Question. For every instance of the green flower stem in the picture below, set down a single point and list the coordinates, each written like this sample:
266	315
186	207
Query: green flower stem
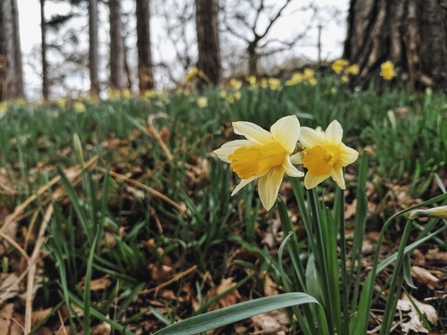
395	284
339	207
327	248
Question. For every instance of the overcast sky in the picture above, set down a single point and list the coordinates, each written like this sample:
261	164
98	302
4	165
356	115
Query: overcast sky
29	13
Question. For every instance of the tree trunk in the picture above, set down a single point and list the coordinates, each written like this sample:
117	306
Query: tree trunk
253	58
7	66
145	67
207	26
93	47
410	33
17	51
116	46
45	82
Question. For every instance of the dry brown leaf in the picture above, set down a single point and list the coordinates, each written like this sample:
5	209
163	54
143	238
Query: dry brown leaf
102	329
273	322
424	277
230	299
414	323
11	323
40	315
270	287
97	284
160	273
437	257
9	287
350	209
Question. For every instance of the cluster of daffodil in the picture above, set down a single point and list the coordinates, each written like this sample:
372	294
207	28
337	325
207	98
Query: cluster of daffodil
233	94
117	94
308	75
195	72
267	156
341	67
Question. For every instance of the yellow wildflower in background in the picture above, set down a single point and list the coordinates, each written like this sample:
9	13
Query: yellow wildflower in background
237	95
149	94
263	155
387	70
61	102
113	94
251	79
202	102
79	107
312	81
192	74
235	84
126	94
308	73
353	69
223	94
324	155
339	64
264	83
344	79
296	78
274	83
3	108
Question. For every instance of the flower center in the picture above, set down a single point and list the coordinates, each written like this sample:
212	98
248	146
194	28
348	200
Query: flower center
319	160
247	162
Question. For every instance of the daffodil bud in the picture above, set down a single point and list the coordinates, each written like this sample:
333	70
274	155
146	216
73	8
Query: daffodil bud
78	150
437	212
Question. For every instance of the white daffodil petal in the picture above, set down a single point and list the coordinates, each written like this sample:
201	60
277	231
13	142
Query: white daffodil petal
297	158
310	181
334	132
286	131
243	183
229	148
268	186
348	155
291	170
337	176
310	137
252	132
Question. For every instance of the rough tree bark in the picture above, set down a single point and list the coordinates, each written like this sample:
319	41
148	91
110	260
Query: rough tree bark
43	51
410	33
145	66
93	47
7	66
17	50
207	26
117	69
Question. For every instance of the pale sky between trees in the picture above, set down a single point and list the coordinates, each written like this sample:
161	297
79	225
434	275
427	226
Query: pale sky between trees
332	36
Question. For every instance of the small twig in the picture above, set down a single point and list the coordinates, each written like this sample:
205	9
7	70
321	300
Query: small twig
152	131
145	187
32	269
170	281
14	244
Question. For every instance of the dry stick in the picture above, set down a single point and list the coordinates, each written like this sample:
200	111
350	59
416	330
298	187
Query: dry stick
14	244
145	187
170	281
32	269
152	131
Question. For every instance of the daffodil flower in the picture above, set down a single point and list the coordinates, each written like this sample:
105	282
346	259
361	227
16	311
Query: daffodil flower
324	155
387	70
264	155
